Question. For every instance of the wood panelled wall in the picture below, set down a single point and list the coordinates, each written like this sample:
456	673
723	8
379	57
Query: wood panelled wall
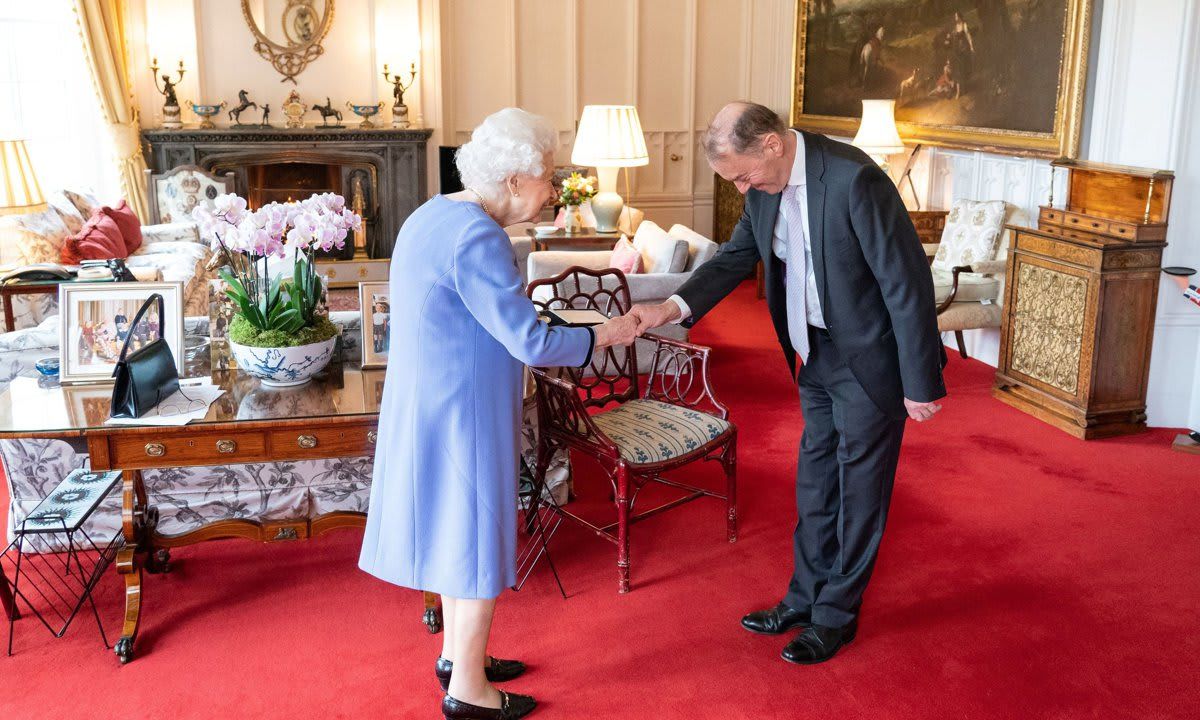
678	61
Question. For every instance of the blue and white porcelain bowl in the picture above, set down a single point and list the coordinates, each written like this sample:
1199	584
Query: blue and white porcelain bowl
285	366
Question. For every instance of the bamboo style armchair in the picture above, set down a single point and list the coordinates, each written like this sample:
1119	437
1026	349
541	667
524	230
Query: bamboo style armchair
636	437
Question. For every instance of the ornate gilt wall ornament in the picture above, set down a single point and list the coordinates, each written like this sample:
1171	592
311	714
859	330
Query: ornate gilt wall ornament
302	24
1047	333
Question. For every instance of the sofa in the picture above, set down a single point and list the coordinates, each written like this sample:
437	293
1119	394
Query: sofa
644	288
173	249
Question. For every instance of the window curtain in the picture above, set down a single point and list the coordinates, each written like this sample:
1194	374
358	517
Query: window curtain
102	29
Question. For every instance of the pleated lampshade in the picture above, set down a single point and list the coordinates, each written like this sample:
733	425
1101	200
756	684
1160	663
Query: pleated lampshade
610	136
19	189
877	134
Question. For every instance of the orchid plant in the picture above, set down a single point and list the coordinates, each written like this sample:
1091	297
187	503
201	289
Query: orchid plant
248	239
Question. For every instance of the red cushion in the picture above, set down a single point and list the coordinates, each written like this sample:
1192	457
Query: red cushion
100	239
130	226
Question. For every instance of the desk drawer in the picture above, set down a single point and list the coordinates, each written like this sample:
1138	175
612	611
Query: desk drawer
348	441
195	448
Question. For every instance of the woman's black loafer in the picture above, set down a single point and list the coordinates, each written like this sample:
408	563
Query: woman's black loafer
497	670
512	706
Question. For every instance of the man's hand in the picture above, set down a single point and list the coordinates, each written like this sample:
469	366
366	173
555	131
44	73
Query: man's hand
621	330
651	316
920	411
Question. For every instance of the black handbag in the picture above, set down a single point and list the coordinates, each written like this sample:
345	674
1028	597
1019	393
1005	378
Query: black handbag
148	375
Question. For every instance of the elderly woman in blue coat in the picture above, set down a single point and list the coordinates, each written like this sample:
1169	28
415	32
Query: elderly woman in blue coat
443	506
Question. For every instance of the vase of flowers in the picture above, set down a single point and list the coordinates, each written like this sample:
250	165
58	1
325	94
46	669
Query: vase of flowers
280	332
576	190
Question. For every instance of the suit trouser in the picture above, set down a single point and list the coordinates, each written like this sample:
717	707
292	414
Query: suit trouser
848	456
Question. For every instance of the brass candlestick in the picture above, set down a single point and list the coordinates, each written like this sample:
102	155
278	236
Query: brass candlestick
172	119
399	109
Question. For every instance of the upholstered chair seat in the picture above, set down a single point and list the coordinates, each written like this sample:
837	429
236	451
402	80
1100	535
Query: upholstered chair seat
649	431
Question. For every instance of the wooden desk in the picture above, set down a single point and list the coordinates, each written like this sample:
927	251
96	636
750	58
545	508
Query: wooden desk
341	426
586	238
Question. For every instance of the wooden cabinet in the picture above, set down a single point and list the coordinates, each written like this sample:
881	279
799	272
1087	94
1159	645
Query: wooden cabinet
1079	304
929	224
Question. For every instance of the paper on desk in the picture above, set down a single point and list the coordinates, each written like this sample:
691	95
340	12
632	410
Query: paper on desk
174	410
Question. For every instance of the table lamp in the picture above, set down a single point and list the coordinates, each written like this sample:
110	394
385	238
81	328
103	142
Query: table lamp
19	189
609	138
877	135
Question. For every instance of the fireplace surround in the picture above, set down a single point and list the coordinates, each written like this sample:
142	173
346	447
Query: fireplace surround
386	166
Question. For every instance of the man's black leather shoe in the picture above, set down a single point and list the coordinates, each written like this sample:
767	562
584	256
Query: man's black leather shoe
818	643
496	671
512	706
776	620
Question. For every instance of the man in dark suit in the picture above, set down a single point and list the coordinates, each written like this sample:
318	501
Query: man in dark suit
851	299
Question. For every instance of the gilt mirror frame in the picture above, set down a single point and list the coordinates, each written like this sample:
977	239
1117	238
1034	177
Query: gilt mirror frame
290	60
814	99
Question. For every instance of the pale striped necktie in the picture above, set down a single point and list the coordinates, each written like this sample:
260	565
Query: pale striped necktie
796	275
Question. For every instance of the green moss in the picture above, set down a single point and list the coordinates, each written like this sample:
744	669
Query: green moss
243	333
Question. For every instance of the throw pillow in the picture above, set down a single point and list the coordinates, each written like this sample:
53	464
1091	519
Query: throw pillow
700	248
972	234
128	223
625	257
85	202
32	237
100	239
661	253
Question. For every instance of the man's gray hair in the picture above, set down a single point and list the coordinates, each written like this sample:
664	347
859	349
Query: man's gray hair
744	135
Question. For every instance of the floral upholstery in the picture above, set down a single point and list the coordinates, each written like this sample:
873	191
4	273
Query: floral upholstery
972	233
188	498
174	249
175	194
649	431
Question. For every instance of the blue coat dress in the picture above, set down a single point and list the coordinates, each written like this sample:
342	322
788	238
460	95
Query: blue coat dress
443	506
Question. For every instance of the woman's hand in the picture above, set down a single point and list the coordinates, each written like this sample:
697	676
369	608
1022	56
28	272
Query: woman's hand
621	330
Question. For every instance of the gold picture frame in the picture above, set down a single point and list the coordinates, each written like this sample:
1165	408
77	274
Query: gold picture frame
821	42
375	323
96	319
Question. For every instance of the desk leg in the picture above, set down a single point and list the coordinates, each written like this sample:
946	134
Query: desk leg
6	598
136	524
433	612
10	322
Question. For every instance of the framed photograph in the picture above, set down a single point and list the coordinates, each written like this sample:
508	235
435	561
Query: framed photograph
376	323
998	75
88	405
373	389
220	315
97	319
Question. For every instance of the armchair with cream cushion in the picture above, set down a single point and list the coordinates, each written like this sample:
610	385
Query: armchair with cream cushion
968	267
670	256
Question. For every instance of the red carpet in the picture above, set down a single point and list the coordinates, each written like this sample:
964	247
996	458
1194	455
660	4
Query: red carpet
1024	574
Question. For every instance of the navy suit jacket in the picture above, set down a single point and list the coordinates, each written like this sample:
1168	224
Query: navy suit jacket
872	275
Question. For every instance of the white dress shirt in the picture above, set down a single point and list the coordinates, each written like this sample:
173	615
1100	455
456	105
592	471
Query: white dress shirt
797	183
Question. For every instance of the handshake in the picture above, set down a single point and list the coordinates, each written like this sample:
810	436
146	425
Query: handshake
624	329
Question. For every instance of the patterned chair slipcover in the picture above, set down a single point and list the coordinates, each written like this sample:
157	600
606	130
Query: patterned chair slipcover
190	497
174	194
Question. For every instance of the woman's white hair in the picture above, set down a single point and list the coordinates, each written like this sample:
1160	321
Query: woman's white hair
508	142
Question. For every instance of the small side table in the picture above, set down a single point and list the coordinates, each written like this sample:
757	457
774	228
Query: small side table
47	555
589	237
